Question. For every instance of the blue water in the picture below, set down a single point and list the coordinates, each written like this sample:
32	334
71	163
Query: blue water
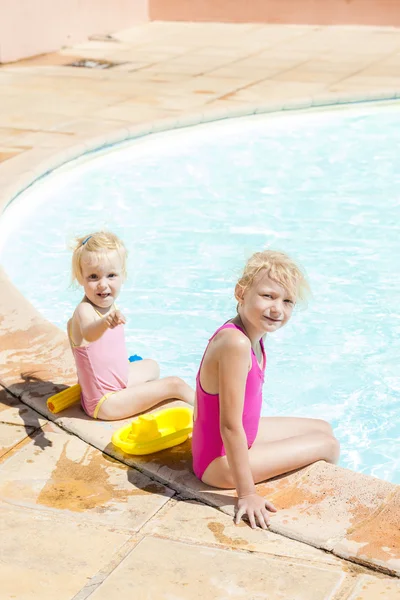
192	205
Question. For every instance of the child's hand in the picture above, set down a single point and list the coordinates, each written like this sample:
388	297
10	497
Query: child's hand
114	318
255	507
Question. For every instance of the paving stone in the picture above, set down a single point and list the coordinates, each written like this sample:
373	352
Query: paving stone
15	412
45	558
372	588
193	572
194	522
376	540
134	112
326	502
11	435
62	474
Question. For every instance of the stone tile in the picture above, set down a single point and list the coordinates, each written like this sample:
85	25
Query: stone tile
372	588
203	524
53	59
213	86
11	435
326	502
135	112
278	90
15	412
6	154
43	557
41	139
30	120
333	65
376	540
170	67
87	127
245	74
301	75
373	82
382	70
150	78
194	572
62	474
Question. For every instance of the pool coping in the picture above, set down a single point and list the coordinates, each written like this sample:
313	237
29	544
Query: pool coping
36	360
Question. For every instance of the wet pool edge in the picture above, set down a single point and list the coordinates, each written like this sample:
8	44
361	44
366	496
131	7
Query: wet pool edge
351	515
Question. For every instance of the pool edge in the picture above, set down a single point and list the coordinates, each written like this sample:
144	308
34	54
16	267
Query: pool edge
36	351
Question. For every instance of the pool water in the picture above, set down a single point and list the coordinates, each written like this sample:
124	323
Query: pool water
192	205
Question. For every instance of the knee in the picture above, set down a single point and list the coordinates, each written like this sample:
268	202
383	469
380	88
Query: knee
332	449
154	368
324	427
175	384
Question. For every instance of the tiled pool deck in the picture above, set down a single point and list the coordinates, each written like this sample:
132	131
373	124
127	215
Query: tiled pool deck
77	523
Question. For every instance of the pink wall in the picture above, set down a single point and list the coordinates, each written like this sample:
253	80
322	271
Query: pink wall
30	27
311	12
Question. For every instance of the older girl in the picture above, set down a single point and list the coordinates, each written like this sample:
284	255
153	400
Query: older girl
233	447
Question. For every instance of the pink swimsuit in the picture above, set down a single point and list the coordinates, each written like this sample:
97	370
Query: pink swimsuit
102	368
207	443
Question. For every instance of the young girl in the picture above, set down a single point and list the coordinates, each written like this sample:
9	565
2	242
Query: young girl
232	446
112	388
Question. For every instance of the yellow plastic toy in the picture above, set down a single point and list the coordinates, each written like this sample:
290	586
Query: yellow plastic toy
155	431
64	399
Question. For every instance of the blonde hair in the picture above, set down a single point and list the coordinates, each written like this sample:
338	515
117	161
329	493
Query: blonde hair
281	269
99	242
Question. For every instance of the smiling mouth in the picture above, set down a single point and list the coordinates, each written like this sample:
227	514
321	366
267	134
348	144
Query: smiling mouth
273	320
103	295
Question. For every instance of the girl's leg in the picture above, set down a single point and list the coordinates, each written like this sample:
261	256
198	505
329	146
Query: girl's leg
141	371
283	444
142	396
272	429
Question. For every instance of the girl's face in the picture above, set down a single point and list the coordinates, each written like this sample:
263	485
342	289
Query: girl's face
265	305
102	276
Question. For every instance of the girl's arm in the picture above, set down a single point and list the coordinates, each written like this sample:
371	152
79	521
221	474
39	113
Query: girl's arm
91	327
234	364
233	369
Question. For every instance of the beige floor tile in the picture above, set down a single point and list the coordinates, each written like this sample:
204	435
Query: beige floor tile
376	540
44	139
166	569
159	78
229	52
197	523
87	127
246	74
381	70
277	90
204	62
281	57
135	112
31	119
45	558
305	76
14	412
170	67
307	512
373	82
372	588
11	435
63	474
332	65
209	84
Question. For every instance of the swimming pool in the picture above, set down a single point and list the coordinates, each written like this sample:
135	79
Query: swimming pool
193	204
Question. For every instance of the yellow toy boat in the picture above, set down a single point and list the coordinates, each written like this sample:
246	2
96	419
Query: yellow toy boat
155	431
